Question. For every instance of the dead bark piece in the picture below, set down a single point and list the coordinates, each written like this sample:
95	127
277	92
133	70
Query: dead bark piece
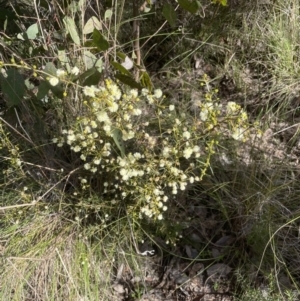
219	269
225	241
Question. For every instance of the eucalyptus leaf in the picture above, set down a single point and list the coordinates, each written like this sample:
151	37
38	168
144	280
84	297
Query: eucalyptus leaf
99	65
32	31
43	90
120	68
30	34
170	14
91	24
82	77
93	80
50	69
89	59
90	77
108	14
99	41
22	36
128	80
13	87
71	29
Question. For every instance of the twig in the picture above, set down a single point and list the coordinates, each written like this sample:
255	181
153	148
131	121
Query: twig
136	34
16	130
285	129
20	124
39	20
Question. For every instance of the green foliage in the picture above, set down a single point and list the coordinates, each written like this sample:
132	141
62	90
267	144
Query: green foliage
99	41
92	24
170	14
13	86
31	33
190	6
71	28
128	80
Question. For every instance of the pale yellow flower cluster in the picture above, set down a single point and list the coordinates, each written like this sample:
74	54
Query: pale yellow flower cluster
145	146
60	74
210	110
238	123
231	120
143	162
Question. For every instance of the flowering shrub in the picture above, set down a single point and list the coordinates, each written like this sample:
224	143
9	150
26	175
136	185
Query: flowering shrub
144	147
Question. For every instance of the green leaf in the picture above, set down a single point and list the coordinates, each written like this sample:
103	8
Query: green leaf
120	68
190	6
170	14
128	80
117	136
108	14
30	34
146	81
89	59
32	31
13	87
71	29
90	77
58	90
99	41
50	69
82	77
22	36
93	80
147	9
121	55
99	65
91	24
43	90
